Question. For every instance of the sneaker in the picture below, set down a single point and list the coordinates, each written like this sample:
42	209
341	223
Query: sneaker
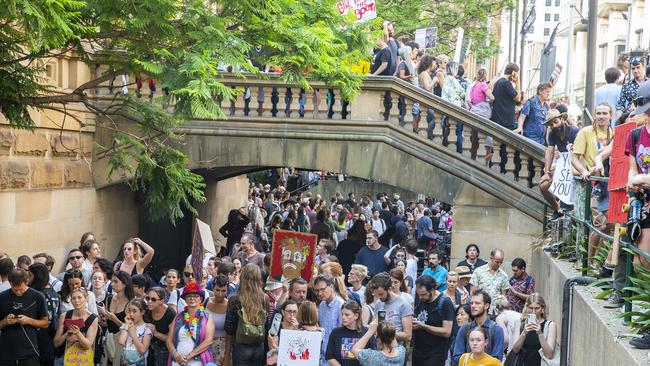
641	343
605	272
615	301
557	214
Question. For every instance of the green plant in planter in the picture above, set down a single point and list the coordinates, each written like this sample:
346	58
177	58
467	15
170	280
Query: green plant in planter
640	290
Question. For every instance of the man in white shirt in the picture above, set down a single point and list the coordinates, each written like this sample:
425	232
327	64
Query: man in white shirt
377	223
6	265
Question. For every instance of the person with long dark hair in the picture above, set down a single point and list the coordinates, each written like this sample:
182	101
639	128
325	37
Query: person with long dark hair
347	249
73	279
389	353
233	229
158	317
114	312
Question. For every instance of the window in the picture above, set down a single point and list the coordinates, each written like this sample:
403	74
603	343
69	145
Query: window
602	57
547	31
557	2
547	17
620	49
556	17
548	2
639	37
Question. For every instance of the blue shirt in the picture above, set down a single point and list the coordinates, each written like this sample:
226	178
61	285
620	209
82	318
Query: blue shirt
422	227
329	316
495	344
534	125
373	259
608	93
440	275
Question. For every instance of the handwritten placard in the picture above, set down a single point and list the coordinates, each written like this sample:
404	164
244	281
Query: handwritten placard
299	348
563	185
364	10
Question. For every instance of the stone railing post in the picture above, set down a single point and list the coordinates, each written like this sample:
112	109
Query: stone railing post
366	106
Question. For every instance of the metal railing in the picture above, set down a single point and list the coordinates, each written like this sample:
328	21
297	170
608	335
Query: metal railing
581	217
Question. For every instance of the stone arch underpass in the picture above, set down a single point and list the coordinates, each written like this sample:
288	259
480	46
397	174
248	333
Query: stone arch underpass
492	207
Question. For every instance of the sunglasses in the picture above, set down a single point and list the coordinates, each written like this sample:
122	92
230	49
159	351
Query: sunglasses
151	299
188	274
76	257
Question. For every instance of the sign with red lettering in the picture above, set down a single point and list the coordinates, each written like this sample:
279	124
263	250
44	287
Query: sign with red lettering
364	10
292	254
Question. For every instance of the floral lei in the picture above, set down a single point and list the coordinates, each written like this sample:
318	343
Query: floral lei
190	325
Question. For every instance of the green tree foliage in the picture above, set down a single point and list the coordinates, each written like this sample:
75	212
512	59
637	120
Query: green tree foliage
448	15
180	44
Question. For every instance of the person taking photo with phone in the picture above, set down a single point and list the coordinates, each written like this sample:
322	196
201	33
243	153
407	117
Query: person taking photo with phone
537	335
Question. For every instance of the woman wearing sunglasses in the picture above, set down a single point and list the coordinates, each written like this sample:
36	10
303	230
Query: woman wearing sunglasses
132	262
158	317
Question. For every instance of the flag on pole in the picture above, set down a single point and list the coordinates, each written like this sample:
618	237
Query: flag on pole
528	23
551	42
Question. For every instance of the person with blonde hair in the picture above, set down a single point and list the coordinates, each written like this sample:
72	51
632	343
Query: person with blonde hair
356	276
81	338
249	305
508	319
538	334
335	271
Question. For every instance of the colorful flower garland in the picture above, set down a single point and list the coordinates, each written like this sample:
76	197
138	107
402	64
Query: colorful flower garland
191	325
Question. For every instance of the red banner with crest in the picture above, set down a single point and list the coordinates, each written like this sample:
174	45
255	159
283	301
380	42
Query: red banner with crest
292	254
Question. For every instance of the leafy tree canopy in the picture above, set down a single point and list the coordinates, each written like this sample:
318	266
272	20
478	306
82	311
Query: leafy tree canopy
180	44
448	15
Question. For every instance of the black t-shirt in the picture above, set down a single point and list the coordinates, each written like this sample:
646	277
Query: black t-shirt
394	49
479	262
554	138
433	313
162	325
341	341
503	107
346	252
381	56
402	66
21	341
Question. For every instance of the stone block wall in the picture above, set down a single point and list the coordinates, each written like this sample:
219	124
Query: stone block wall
44	158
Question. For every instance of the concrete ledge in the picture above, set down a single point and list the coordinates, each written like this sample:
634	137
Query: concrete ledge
594	336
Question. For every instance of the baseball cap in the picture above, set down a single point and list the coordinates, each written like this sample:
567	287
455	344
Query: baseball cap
642	99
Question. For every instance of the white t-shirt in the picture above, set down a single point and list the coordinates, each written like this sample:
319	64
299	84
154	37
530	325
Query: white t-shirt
4	286
379	226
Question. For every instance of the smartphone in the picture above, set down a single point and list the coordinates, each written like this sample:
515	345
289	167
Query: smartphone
532	319
381	315
275	325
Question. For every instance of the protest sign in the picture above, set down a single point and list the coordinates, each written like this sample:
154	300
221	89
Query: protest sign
426	37
299	348
563	185
364	10
292	254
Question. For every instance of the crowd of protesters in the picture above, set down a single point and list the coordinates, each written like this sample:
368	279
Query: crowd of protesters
375	298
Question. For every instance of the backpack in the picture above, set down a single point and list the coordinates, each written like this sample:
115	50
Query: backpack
247	332
53	304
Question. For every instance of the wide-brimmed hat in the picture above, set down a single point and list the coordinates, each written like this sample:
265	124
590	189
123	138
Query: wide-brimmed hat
642	99
193	288
272	285
553	114
463	272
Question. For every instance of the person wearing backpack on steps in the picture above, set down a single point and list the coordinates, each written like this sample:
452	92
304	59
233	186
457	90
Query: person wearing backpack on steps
245	320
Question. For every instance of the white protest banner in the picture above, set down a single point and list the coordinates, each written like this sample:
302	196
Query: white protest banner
299	348
426	37
563	184
206	237
364	10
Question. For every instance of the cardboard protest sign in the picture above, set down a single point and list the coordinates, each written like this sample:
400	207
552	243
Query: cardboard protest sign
299	348
292	255
364	10
563	185
75	355
619	164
